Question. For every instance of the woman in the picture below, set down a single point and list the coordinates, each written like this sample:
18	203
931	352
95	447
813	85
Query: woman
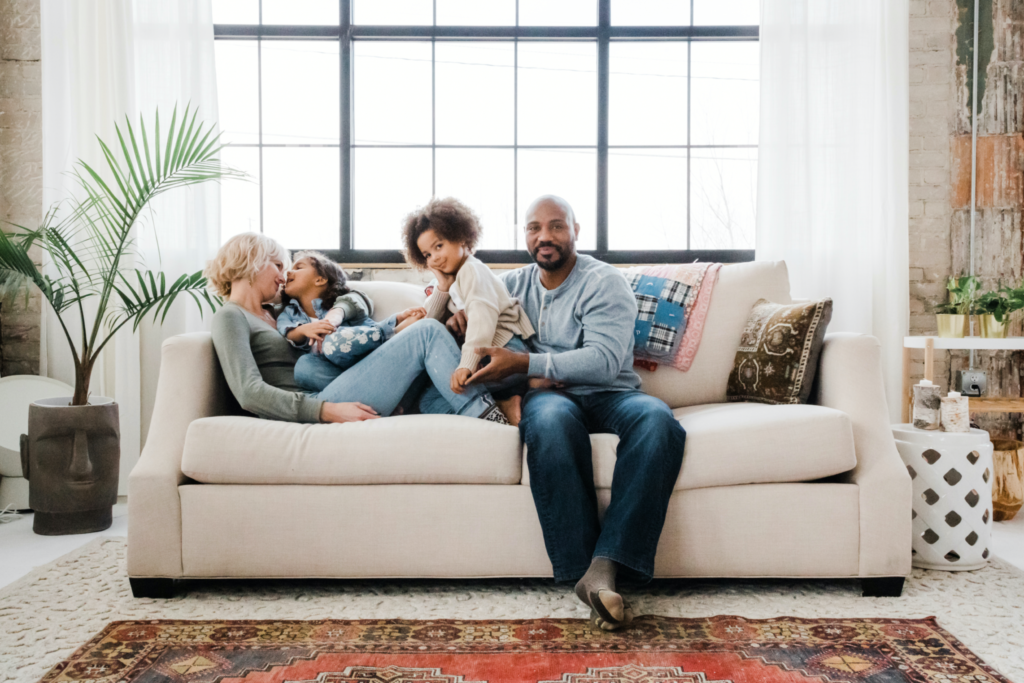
259	363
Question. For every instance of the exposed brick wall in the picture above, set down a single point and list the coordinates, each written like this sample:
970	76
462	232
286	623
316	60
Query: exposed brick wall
941	37
21	157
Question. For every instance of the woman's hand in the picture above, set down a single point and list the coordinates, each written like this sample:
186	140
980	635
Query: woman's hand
347	412
316	330
444	280
459	379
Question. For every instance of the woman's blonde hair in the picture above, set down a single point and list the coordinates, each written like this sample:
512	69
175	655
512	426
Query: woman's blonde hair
241	257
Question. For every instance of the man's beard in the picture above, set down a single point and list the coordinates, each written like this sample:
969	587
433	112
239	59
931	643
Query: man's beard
549	265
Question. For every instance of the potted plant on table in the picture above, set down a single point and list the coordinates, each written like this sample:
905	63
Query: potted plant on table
72	451
995	308
953	317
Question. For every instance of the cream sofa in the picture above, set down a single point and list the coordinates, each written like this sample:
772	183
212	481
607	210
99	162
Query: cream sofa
765	491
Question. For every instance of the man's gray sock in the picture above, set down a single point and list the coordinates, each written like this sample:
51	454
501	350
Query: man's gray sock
597	589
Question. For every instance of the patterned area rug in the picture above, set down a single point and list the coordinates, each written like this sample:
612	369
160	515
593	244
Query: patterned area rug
654	650
47	615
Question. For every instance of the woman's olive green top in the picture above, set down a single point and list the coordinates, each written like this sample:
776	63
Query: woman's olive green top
259	365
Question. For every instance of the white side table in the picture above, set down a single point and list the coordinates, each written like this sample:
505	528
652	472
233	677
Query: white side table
952	508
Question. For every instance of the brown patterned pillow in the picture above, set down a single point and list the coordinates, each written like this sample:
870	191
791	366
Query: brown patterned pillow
779	350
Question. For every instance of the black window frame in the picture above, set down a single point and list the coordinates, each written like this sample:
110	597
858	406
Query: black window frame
604	33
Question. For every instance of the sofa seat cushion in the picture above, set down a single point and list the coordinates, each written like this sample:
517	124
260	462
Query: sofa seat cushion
747	443
410	449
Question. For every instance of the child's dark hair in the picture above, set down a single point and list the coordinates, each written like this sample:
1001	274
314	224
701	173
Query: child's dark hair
329	270
449	218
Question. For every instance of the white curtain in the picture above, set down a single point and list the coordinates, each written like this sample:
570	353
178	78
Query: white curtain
833	161
103	60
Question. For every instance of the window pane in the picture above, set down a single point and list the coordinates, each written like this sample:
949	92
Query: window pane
475	93
300	92
393	12
557	94
732	13
569	173
240	199
236	11
300	196
723	192
651	12
557	13
647	99
316	12
237	91
647	199
392	97
725	93
483	180
476	12
389	183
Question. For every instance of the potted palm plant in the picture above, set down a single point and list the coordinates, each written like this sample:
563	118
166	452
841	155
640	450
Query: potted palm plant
953	317
72	451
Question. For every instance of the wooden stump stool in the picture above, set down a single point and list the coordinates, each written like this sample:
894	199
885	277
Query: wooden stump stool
1008	487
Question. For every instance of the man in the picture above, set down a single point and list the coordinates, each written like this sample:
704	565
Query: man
583	311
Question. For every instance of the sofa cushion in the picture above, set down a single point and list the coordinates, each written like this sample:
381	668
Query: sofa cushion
410	449
390	297
739	286
747	443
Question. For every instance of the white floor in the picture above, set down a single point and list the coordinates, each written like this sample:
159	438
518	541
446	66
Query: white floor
21	550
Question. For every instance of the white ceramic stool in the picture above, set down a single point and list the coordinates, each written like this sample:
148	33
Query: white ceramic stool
952	508
16	393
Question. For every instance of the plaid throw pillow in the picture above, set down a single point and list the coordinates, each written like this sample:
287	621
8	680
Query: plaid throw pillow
779	351
660	317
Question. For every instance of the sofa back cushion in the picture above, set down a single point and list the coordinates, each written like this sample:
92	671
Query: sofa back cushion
390	297
739	286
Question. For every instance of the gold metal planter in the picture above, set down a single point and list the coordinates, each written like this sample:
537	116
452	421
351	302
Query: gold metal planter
953	326
992	329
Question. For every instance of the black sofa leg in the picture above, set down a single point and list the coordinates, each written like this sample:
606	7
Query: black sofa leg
152	588
883	587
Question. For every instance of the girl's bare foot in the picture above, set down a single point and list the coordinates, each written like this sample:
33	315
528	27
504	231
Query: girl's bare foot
513	409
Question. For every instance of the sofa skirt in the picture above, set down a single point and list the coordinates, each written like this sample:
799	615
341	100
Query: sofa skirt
478	531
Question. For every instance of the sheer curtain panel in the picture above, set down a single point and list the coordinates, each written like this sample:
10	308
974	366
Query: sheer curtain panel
833	160
103	60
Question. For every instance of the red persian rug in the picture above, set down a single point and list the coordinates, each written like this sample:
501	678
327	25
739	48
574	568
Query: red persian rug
654	650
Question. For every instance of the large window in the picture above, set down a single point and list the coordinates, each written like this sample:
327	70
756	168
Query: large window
348	114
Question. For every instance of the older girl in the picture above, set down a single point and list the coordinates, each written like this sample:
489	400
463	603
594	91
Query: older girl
259	364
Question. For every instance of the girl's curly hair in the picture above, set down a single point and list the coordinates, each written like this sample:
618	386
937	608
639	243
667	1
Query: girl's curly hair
329	270
449	218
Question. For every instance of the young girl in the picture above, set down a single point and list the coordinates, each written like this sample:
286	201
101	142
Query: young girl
322	315
441	237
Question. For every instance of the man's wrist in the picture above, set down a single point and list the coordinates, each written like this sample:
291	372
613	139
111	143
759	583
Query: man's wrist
522	363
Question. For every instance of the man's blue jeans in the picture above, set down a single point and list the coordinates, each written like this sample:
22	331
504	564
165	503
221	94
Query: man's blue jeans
556	428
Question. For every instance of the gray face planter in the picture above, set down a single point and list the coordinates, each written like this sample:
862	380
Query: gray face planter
71	457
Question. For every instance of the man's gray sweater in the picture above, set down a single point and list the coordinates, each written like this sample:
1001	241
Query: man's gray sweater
584	326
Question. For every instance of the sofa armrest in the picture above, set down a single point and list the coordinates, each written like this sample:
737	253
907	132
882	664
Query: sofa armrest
191	386
850	380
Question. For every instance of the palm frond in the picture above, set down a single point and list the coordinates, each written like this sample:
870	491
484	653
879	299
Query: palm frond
150	293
